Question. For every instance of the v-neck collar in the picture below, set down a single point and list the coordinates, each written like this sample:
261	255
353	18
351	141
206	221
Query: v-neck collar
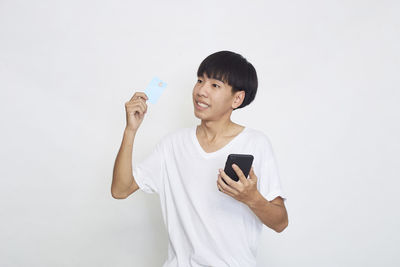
219	151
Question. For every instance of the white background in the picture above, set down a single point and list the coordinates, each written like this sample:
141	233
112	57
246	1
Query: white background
328	98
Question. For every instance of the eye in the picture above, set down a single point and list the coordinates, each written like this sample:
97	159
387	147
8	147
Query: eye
199	80
216	85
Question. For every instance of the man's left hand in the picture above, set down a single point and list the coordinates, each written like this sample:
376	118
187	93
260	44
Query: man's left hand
243	190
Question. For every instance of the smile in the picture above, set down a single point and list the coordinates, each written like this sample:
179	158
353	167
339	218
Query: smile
201	106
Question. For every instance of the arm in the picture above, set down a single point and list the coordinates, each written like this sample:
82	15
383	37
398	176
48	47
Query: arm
123	182
272	213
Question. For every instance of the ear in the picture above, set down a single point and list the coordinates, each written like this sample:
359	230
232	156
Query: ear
238	98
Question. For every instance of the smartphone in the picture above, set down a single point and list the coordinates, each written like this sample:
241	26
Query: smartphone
244	161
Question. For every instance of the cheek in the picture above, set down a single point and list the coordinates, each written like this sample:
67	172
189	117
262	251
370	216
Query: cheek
224	102
194	91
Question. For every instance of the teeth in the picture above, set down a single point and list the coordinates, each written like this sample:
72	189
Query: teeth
202	105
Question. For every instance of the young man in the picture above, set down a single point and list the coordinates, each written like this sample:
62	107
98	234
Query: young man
209	222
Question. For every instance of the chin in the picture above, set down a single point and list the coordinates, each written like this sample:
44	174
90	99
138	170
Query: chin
197	115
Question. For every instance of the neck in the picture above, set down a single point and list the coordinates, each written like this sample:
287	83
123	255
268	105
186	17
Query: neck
214	130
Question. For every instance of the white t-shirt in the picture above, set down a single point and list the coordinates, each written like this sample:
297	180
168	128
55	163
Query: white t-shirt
207	227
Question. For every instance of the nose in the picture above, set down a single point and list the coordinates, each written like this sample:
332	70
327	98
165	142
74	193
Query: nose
202	89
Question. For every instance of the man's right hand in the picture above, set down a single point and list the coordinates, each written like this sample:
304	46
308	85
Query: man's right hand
135	109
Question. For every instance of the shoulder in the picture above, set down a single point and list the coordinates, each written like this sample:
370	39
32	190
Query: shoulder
259	137
175	134
260	141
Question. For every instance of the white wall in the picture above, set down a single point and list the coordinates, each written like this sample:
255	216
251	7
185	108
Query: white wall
328	99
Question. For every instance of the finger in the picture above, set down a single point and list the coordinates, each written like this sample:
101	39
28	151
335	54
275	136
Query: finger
220	188
143	105
137	98
139	101
141	108
226	187
133	108
226	192
143	95
139	95
142	102
252	174
239	173
227	179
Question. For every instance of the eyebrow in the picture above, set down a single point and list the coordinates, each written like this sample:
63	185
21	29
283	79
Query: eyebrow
218	80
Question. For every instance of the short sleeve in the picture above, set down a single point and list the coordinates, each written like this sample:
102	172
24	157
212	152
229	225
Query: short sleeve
269	178
148	174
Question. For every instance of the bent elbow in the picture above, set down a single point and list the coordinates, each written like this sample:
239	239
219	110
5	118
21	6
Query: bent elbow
117	196
282	227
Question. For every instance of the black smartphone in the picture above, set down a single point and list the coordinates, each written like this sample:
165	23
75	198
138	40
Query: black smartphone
244	161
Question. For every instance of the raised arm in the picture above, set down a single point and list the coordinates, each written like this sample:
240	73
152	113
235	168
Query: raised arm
123	182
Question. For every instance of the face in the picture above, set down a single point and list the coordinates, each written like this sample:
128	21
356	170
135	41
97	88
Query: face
217	96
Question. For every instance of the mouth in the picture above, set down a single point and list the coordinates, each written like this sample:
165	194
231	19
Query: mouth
201	105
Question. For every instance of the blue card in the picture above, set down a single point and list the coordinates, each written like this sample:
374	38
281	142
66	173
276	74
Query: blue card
154	90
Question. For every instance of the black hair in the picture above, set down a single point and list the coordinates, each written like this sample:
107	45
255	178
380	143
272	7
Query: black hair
233	69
